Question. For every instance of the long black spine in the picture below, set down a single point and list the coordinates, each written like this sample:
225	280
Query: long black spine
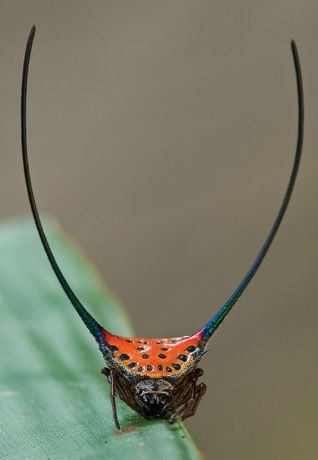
215	322
89	321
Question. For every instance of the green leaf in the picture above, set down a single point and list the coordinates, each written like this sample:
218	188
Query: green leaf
54	403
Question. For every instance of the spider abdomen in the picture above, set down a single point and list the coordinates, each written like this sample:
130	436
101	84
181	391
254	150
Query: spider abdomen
154	358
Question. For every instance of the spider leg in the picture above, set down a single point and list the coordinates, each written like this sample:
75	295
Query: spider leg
189	396
191	406
121	388
126	394
111	379
106	372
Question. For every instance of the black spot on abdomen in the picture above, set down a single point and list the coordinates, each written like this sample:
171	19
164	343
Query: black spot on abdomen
183	358
124	357
191	348
113	348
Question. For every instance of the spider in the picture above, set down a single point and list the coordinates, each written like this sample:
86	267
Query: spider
156	376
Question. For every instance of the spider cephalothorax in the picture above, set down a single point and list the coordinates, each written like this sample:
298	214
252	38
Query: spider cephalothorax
154	396
156	376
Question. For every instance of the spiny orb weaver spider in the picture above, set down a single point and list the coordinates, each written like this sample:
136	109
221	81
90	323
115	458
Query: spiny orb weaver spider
156	376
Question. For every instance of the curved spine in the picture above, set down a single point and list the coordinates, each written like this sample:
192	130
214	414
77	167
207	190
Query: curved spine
209	328
92	325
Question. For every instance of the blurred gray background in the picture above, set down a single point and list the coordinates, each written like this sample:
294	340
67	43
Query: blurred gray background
161	136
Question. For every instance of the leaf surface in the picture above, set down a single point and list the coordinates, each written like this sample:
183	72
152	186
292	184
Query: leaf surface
54	403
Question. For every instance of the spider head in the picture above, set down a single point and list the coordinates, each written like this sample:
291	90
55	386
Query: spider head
153	395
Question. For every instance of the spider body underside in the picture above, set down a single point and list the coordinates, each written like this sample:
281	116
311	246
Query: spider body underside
154	398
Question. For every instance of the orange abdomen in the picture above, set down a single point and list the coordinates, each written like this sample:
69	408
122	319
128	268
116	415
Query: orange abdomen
155	358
